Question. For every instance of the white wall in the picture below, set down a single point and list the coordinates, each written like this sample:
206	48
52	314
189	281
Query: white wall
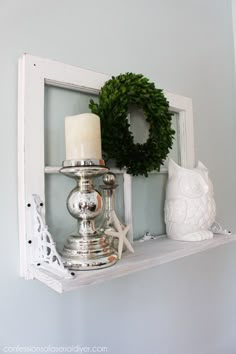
186	47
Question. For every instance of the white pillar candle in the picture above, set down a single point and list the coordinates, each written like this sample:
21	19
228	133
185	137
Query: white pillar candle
83	137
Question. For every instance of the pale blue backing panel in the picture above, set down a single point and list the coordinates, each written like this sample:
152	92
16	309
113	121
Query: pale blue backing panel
148	202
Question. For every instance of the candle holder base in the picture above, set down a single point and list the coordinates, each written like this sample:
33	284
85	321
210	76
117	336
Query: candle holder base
81	253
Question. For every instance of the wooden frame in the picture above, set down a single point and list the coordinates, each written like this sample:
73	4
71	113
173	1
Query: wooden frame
34	73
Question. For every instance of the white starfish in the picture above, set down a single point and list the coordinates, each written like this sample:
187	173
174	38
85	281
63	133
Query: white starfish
121	233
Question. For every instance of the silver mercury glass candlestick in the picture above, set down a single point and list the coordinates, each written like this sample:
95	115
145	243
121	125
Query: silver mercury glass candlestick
88	248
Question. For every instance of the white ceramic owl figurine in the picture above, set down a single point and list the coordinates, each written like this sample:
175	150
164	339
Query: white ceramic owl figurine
190	207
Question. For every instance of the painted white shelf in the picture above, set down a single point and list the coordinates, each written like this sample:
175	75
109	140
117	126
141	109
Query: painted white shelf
147	255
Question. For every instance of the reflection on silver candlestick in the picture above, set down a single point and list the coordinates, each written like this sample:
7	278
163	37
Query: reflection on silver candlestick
88	248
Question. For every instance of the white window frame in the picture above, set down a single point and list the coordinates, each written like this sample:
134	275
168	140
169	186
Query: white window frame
34	73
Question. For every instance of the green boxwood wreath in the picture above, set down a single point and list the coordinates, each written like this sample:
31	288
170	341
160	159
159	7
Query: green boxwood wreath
115	98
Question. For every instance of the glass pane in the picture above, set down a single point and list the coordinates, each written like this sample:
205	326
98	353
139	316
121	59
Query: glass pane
148	194
60	103
148	203
139	127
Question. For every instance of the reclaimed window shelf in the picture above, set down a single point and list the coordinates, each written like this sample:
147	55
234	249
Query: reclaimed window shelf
38	171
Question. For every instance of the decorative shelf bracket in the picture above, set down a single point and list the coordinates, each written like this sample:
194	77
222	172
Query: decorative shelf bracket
43	253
